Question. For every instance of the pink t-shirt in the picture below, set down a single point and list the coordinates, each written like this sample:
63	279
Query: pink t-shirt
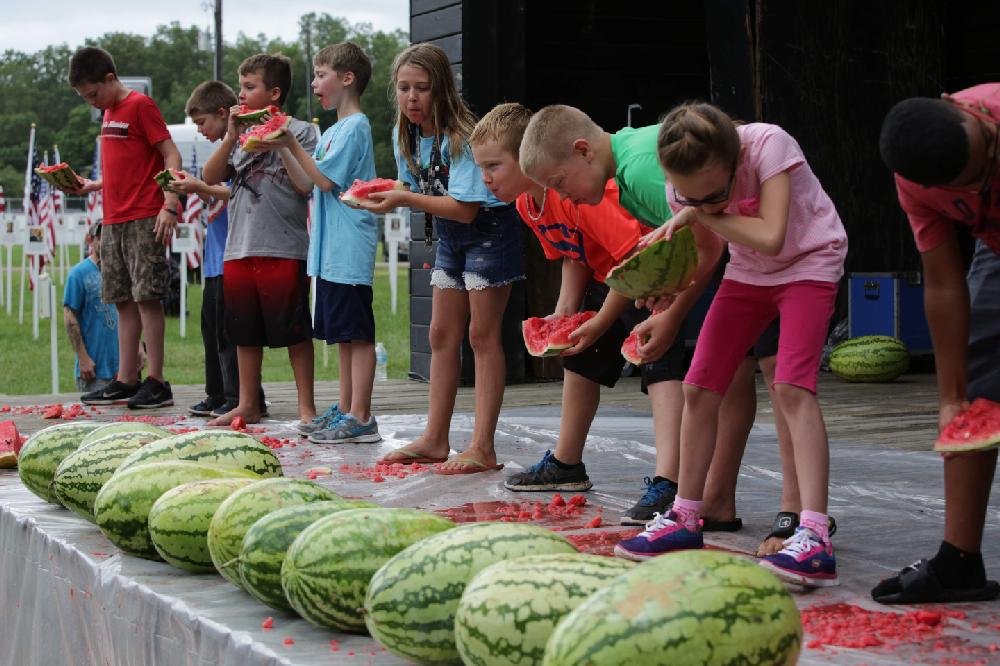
934	211
815	240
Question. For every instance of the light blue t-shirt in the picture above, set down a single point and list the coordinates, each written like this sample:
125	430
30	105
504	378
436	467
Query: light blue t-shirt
465	179
98	320
215	243
343	239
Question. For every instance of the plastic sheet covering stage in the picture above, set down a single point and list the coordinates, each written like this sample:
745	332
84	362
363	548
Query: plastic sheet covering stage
68	597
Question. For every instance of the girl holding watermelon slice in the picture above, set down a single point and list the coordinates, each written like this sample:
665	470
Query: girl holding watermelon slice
479	253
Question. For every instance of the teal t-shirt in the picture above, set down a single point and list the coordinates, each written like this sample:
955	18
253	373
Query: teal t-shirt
98	321
641	183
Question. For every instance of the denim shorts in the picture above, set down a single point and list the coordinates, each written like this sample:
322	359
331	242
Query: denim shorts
487	252
984	324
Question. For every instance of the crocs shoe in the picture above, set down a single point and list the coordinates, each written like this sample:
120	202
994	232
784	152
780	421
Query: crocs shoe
657	499
662	535
348	430
547	475
804	560
321	422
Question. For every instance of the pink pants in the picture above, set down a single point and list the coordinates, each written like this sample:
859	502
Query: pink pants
739	314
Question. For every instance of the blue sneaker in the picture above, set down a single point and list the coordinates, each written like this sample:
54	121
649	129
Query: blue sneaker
547	475
805	560
321	422
663	534
347	430
657	499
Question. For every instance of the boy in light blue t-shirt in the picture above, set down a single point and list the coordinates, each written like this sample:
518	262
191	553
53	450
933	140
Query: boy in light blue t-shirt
342	242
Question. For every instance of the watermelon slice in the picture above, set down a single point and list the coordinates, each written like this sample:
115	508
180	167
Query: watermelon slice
275	126
550	336
248	115
10	445
975	429
360	189
663	268
166	177
59	175
630	348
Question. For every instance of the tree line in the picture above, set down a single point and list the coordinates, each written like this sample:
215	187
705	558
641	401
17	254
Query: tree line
36	89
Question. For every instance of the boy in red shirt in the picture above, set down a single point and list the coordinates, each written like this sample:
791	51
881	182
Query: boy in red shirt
139	220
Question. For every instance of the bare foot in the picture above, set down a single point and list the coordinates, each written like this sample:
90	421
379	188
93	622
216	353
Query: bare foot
770	546
470	461
420	450
227	418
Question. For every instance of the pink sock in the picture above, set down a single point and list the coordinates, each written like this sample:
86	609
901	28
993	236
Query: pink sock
817	522
688	513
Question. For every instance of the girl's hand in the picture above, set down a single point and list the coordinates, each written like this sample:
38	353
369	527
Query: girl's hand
585	335
686	217
656	334
656	304
382	202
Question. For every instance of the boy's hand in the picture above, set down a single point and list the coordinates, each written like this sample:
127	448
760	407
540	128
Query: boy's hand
946	412
164	227
656	303
284	140
382	202
233	127
185	183
585	335
88	369
86	186
686	217
658	332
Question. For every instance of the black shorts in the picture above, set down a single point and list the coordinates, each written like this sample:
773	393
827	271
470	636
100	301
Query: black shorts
984	324
767	343
343	313
266	301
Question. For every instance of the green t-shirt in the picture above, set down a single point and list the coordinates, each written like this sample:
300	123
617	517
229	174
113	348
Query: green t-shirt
641	184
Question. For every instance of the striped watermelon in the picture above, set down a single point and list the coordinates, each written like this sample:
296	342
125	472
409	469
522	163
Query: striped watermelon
178	522
42	453
660	269
223	448
245	507
509	610
411	602
124	426
327	568
83	472
870	358
688	607
267	541
122	507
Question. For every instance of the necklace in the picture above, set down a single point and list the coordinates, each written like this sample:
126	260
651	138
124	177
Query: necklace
541	210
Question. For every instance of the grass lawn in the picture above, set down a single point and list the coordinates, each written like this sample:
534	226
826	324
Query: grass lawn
24	362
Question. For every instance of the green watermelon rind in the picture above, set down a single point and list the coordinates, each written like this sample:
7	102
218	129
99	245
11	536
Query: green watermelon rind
225	448
663	268
685	608
44	451
411	601
981	409
509	610
870	358
122	426
328	567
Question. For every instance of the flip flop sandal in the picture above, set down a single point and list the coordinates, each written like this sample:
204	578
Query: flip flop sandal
404	457
734	525
918	584
466	466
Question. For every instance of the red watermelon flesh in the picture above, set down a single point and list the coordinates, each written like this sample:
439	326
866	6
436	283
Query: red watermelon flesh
630	348
61	175
550	336
975	429
10	445
248	115
360	189
272	129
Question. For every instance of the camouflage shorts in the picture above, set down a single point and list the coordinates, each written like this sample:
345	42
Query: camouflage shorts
133	263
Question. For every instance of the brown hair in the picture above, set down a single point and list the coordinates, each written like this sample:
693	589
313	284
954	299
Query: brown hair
695	134
551	133
275	70
449	112
347	57
208	97
505	124
90	65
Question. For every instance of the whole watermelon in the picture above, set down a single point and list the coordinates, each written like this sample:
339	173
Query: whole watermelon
509	609
662	268
870	358
690	607
223	448
268	539
42	453
124	427
246	506
411	602
328	567
178	521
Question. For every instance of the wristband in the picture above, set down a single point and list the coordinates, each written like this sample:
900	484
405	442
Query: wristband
171	211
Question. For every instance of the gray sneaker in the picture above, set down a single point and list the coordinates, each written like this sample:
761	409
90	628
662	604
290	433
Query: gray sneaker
348	429
321	422
547	475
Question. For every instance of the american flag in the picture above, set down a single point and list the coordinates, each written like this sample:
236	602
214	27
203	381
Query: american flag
95	200
32	203
47	213
3	201
194	213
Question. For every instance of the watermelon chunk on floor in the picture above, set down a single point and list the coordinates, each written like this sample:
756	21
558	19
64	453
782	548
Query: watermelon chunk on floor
10	445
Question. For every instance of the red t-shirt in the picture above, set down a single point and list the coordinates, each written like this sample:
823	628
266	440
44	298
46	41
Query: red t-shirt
129	159
599	236
934	211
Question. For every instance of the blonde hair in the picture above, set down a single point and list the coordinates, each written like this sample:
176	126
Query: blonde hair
551	133
695	134
347	57
449	113
505	124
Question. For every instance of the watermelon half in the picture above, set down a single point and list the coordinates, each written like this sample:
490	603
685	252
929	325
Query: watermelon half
662	268
549	336
974	429
60	175
274	127
630	348
360	189
10	445
248	115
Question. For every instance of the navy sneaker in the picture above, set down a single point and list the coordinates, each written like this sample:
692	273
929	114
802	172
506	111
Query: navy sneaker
805	560
662	535
321	422
205	407
151	394
547	475
657	499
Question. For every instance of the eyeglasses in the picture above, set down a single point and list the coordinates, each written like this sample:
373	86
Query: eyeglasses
717	198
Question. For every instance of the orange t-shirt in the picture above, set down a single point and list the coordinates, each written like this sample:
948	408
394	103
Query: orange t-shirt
599	236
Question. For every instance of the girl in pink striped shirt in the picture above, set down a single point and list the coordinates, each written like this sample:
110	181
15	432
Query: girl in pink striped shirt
752	186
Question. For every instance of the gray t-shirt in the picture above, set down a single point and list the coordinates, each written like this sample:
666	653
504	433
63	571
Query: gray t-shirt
267	217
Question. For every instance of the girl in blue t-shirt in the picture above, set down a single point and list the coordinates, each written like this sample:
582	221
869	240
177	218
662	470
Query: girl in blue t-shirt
479	253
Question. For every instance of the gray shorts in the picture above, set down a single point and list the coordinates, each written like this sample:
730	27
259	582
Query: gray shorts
984	324
133	263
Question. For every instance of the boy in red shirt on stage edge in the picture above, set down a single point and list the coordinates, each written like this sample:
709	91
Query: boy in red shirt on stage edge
139	220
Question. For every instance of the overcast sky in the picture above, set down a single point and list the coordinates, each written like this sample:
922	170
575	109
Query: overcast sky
31	26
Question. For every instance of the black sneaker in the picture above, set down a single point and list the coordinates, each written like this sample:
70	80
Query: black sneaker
547	475
153	393
115	393
230	405
658	498
205	407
